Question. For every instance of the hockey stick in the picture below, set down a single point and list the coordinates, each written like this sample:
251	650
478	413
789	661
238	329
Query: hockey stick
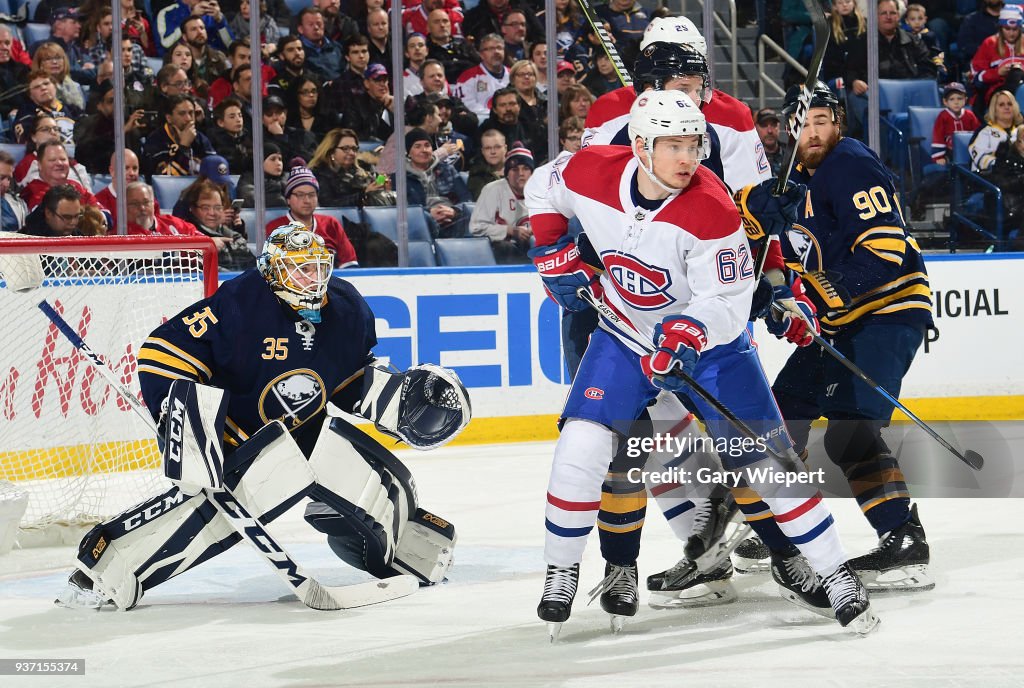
969	457
628	331
822	34
606	42
311	592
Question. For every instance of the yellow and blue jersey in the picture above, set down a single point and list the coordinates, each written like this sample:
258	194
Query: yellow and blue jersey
851	224
273	364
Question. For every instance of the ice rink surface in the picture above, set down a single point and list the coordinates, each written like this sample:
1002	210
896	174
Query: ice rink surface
230	622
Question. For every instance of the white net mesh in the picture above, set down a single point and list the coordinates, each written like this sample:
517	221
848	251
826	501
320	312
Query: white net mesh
65	436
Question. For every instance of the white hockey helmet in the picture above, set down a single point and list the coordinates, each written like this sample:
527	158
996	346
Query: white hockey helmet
665	113
678	30
297	265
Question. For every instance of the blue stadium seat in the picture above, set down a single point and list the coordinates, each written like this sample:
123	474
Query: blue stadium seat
896	95
921	121
961	154
421	254
295	6
467	251
248	216
384	220
5	7
167	189
100	182
32	6
977	203
34	33
350	214
155	63
369	146
17	150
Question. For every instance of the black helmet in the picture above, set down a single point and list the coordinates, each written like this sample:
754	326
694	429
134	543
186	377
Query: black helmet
659	62
822	96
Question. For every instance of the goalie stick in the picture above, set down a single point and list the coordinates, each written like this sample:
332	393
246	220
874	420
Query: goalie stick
822	34
311	592
969	457
606	42
627	330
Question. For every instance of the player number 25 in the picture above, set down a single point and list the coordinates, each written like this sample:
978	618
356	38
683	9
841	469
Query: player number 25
276	348
871	202
199	321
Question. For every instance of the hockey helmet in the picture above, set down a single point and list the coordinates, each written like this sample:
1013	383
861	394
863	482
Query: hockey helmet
666	113
297	265
821	96
678	30
659	62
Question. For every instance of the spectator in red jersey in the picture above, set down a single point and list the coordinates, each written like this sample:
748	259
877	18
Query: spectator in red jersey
143	218
301	192
54	168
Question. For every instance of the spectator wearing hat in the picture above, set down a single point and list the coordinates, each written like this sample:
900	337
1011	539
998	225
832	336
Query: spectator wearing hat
178	146
435	185
768	126
975	28
369	114
451	108
489	164
999	62
478	84
500	213
273	180
301	192
65	29
46	8
213	169
294	142
418	113
565	75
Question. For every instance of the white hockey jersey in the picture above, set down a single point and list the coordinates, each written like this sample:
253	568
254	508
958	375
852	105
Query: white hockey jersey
496	210
689	255
743	158
476	86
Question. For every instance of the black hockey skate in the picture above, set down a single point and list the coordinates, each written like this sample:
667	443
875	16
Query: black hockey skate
684	586
849	599
620	594
799	584
752	556
560	583
900	562
709	522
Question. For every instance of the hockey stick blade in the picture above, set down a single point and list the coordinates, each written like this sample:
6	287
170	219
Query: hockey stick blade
606	42
310	591
629	332
969	457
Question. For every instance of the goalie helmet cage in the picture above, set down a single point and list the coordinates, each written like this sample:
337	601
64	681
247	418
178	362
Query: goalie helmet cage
66	439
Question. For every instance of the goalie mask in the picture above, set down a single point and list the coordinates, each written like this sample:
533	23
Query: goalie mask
659	62
297	265
666	113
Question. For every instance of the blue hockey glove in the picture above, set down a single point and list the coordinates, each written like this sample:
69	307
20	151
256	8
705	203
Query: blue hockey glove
761	304
765	214
680	340
564	273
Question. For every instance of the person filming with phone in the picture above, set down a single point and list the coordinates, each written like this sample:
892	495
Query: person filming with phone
346	181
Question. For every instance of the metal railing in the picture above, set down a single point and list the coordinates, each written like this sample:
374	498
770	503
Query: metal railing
729	29
763	80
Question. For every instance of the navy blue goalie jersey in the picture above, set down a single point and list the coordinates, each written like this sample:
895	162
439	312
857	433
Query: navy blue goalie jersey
851	224
273	364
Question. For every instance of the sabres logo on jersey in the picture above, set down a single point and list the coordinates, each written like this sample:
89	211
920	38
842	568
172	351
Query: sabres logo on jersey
642	286
293	397
805	246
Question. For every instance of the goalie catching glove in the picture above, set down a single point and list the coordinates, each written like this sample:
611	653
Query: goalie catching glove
763	213
425	407
564	272
799	320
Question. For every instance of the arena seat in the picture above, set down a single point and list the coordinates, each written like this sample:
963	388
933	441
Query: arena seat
35	33
167	188
464	252
421	254
384	220
977	203
921	122
17	150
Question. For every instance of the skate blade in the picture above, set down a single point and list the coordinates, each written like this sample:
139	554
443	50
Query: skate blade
554	629
736	532
617	622
864	624
751	566
903	579
792	597
703	595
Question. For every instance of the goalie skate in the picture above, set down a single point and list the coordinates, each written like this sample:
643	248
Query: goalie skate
560	583
79	594
684	586
620	594
752	556
900	562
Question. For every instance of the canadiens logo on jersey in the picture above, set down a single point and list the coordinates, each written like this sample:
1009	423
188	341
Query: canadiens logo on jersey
293	397
642	286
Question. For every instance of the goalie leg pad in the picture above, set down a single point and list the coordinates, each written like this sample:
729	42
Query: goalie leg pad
426	547
193	425
425	407
268	473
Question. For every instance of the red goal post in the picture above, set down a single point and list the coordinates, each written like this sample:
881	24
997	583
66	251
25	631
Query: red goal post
67	441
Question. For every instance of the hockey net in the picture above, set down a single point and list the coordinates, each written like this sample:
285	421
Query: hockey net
66	439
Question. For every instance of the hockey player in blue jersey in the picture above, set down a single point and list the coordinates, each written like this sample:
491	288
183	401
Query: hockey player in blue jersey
255	366
865	274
